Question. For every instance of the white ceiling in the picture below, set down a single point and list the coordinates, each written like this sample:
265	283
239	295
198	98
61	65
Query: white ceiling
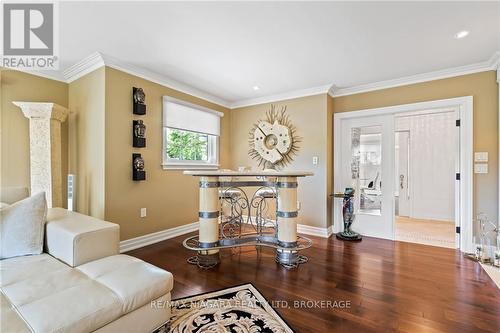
226	48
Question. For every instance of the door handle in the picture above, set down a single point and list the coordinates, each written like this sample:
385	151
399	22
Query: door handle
401	181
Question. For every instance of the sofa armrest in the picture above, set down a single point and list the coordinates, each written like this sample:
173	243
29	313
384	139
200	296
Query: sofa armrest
77	239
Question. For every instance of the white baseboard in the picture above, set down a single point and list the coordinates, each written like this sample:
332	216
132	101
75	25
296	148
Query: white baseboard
155	237
314	231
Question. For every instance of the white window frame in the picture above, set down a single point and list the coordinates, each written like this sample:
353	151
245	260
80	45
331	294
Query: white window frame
213	144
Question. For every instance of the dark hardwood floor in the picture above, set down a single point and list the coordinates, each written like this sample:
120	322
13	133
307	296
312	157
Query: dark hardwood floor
392	286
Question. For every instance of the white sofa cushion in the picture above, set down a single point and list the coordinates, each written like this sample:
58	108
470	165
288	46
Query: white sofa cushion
22	227
53	297
77	239
41	287
134	281
15	270
142	320
10	321
44	285
84	308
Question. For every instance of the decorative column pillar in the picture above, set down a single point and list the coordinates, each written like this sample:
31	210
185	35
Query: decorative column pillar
45	148
209	221
287	220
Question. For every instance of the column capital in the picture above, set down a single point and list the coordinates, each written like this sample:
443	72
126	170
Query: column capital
43	110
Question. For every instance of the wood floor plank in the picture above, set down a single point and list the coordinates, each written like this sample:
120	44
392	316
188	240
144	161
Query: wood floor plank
392	286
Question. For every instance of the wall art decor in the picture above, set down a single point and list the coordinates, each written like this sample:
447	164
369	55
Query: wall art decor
274	140
138	134
139	99
138	172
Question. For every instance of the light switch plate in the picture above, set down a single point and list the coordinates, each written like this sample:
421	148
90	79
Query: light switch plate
315	160
481	157
143	212
480	168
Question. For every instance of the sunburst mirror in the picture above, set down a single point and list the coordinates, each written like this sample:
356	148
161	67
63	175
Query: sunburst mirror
274	140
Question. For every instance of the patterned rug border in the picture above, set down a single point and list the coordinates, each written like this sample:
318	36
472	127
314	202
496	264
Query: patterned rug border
234	288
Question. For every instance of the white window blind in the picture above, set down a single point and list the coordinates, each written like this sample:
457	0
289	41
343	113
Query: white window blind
182	115
190	135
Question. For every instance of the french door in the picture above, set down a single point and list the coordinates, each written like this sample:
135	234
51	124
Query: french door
367	165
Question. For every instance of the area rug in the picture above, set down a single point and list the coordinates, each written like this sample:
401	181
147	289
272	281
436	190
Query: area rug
238	309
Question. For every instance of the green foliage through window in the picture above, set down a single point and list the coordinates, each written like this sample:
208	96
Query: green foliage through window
185	145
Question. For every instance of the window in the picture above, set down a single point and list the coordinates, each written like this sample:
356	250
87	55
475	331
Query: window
190	135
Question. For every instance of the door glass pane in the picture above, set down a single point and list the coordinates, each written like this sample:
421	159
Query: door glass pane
366	172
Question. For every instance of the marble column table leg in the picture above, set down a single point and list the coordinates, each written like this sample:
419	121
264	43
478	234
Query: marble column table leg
209	221
287	220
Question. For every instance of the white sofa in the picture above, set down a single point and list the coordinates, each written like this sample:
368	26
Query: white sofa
81	283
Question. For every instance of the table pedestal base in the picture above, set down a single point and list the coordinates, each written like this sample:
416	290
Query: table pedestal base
290	259
205	261
287	254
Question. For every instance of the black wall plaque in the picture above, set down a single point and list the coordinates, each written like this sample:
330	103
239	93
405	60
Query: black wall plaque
138	172
138	134
139	100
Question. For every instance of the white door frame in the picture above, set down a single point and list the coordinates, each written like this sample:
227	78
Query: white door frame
465	108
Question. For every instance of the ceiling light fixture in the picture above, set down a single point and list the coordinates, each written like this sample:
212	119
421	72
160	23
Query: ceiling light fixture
461	34
256	88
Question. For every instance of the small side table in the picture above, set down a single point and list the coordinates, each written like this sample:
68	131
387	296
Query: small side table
348	215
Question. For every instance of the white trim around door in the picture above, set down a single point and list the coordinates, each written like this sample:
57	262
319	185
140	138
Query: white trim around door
464	105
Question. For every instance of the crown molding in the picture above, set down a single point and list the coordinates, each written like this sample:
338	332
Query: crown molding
162	80
491	64
332	90
281	97
97	60
84	67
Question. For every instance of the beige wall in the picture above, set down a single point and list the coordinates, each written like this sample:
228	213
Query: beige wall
170	197
483	87
87	155
15	156
100	143
309	114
